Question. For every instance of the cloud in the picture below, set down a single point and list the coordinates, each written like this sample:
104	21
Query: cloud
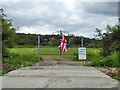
77	18
106	8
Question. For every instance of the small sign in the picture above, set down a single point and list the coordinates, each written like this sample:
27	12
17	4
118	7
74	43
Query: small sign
81	53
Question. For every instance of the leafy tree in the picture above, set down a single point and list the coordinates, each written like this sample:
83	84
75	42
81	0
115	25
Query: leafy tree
8	33
110	39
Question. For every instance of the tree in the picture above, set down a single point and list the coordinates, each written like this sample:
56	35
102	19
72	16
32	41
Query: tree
8	33
110	39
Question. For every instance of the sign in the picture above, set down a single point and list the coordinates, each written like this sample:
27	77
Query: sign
81	53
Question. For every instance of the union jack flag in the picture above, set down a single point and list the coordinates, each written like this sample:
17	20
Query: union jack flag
63	43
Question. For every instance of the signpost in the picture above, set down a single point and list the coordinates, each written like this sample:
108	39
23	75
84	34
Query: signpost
81	53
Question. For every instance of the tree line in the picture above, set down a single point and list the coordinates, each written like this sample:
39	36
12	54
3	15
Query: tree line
53	40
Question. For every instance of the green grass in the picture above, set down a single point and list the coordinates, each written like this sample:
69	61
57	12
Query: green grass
109	61
16	61
59	60
53	51
92	55
26	51
0	61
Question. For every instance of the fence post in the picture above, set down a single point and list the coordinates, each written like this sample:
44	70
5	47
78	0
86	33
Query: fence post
81	41
38	47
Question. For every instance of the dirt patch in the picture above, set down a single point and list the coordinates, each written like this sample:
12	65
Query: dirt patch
57	60
5	67
112	72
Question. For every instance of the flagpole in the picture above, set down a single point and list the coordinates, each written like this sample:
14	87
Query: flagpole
60	49
38	47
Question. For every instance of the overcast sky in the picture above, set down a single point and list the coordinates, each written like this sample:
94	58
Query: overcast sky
79	18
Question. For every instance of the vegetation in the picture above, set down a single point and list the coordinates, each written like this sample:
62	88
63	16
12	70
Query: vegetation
8	34
110	40
30	40
110	51
109	61
16	61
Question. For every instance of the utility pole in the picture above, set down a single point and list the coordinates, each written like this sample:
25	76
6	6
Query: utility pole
38	47
81	41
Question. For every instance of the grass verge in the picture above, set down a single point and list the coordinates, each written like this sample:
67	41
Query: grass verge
15	61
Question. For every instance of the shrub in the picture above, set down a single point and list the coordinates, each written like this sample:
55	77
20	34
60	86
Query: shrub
15	61
27	64
89	55
109	61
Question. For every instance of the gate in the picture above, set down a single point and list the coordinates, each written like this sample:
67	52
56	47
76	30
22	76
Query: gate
49	44
46	50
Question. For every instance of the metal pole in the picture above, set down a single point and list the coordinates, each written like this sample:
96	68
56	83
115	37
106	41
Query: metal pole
60	49
119	14
38	47
81	41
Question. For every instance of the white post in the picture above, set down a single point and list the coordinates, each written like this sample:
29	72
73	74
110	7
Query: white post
38	47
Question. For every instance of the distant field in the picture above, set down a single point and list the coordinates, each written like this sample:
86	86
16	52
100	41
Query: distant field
43	51
49	51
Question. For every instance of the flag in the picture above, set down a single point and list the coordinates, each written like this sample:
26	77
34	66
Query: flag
63	43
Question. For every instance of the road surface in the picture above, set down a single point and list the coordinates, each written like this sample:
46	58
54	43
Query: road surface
58	77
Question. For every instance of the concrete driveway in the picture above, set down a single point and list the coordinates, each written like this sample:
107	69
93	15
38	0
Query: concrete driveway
58	77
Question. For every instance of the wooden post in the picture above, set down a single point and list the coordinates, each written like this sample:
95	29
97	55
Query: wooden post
38	47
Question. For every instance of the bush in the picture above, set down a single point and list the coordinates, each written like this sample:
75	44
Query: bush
27	64
89	55
109	61
15	61
5	52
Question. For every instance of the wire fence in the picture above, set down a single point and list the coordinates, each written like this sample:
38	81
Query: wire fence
55	51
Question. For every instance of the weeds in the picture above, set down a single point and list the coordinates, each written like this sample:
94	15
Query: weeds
15	61
59	60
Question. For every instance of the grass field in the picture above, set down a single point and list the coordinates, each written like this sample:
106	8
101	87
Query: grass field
51	51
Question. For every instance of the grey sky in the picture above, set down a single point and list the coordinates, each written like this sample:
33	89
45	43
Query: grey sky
79	18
